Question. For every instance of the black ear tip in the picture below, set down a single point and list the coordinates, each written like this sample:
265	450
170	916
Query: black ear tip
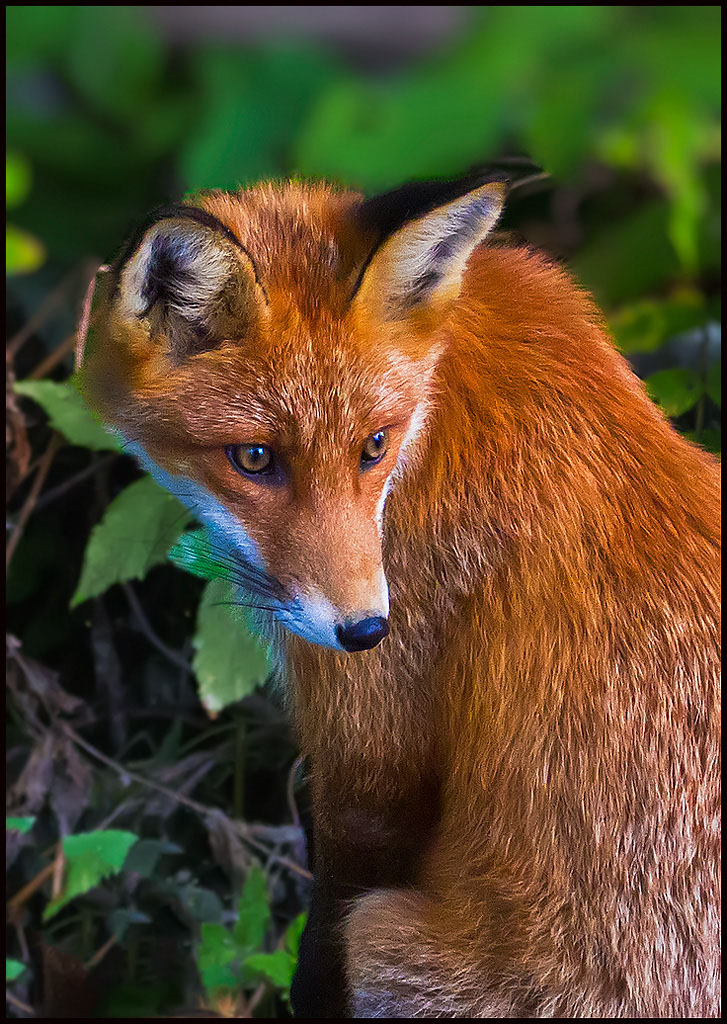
386	213
177	211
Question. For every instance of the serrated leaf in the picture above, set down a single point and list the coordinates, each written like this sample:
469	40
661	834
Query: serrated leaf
294	933
218	977
90	857
136	533
279	967
253	911
68	413
13	969
217	947
230	661
23	825
676	391
199	903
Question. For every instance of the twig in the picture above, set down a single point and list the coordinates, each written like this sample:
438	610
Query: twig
57	492
244	830
272	833
285	861
174	656
294	769
59	866
30	501
83	323
256	997
128	773
50	303
24	894
263	986
22	941
117	812
53	358
19	1004
531	178
100	953
107	669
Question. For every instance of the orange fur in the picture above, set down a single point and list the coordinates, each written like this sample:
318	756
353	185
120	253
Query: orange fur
525	772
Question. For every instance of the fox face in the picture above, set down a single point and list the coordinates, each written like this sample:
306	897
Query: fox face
270	357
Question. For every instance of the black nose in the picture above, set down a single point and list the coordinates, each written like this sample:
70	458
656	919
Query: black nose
362	635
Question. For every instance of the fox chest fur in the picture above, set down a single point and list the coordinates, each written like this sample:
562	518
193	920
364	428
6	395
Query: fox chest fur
492	568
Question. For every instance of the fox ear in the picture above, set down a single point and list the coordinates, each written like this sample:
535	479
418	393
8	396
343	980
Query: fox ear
189	282
423	259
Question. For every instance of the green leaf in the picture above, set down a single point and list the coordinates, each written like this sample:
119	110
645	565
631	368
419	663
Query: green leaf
69	413
24	253
253	912
676	391
279	967
136	533
120	920
145	856
217	947
90	857
294	933
643	326
13	969
23	825
18	179
201	904
230	661
216	977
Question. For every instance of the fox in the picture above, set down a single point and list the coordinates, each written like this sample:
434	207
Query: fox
489	568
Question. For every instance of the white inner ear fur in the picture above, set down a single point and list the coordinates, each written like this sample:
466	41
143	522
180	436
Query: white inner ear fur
190	250
427	257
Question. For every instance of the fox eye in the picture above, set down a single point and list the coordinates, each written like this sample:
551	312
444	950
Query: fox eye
251	458
375	448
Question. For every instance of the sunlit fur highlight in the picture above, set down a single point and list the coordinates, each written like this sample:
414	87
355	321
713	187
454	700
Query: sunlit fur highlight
538	737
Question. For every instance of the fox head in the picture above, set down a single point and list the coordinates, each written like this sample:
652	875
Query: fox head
270	356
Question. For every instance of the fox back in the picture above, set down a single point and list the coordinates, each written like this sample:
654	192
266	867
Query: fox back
491	569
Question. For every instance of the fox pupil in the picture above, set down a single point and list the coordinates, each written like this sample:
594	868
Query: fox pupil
250	458
375	447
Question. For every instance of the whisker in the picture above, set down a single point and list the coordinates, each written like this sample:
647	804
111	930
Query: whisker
236	578
243	604
223	559
129	442
236	573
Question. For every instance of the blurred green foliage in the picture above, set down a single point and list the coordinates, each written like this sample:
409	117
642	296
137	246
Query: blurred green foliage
112	119
23	252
